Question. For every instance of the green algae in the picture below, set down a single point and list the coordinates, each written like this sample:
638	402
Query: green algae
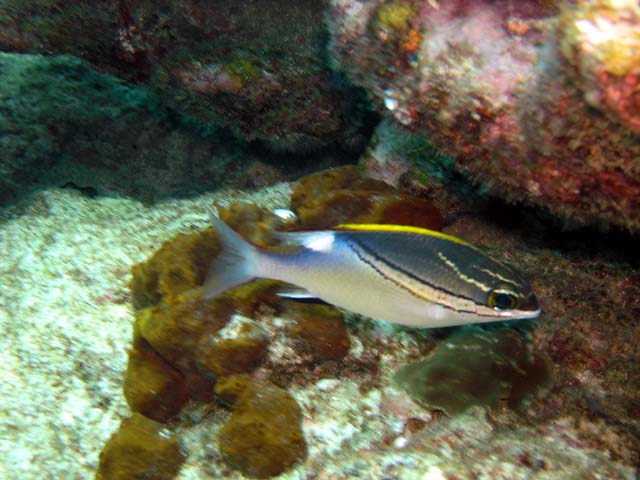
394	16
475	367
243	68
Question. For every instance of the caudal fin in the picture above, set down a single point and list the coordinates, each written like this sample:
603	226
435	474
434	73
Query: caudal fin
233	265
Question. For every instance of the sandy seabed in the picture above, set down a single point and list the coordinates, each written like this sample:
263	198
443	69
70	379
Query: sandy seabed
65	327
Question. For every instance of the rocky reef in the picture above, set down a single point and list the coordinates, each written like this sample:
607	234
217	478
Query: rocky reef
64	124
250	68
265	358
495	114
62	285
517	93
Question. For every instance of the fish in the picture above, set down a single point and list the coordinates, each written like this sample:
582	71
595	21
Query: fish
401	274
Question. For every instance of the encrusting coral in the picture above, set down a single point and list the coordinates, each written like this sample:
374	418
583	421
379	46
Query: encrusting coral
264	435
473	367
140	449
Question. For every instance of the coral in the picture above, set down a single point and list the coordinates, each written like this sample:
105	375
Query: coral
235	355
473	367
140	449
506	89
253	223
343	195
264	436
319	330
179	265
178	325
152	386
601	39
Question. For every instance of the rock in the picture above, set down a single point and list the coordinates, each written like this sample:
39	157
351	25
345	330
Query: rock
507	90
258	69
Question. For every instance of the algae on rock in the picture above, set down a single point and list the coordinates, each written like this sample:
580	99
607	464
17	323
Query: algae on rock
473	367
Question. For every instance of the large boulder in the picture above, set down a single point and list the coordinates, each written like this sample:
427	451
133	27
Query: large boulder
64	124
537	103
257	67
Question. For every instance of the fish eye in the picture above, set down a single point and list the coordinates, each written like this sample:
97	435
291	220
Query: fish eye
502	299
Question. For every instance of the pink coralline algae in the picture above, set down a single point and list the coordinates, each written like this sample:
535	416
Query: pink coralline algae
538	102
602	41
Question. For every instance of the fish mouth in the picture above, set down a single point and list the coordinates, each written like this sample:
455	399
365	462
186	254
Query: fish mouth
529	308
519	314
528	313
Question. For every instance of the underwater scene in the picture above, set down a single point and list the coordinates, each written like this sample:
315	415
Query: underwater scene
319	239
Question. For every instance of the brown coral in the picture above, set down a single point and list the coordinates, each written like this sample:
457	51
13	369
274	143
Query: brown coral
343	195
264	436
151	385
319	330
179	265
140	449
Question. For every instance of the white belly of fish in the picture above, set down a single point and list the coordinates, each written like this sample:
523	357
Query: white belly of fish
339	277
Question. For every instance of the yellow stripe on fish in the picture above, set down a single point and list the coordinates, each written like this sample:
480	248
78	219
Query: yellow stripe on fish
381	227
406	275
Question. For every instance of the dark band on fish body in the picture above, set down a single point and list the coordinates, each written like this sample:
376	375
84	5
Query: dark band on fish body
466	271
412	276
404	272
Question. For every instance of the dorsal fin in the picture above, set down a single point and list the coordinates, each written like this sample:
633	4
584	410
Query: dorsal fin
380	227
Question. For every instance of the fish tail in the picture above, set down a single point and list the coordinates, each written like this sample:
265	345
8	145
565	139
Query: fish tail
235	264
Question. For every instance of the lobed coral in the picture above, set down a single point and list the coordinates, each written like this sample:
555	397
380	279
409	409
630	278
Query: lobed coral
152	386
178	266
319	330
264	435
140	449
344	195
